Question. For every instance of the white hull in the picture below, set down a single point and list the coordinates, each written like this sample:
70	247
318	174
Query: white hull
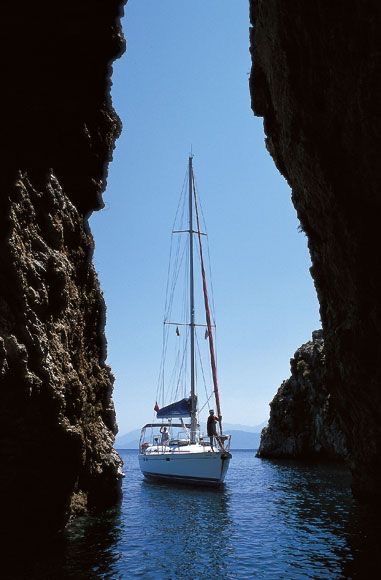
205	468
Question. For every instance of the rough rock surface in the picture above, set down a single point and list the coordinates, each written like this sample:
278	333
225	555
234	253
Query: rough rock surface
302	423
316	81
57	421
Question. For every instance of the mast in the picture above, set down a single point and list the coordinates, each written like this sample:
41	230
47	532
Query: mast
208	322
191	301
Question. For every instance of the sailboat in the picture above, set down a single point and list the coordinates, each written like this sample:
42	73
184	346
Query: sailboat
174	447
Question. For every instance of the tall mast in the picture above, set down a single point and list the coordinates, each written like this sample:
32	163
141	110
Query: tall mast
208	320
191	301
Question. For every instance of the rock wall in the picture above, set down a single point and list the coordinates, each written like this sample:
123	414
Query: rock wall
316	81
303	424
57	421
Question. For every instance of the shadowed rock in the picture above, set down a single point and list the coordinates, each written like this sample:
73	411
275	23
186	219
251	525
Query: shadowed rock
303	424
316	81
57	420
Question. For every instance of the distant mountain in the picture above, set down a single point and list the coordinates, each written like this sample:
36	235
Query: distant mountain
239	427
129	440
243	437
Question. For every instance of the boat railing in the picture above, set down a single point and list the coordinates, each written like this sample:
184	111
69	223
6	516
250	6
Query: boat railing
221	442
154	438
184	435
204	442
180	440
225	440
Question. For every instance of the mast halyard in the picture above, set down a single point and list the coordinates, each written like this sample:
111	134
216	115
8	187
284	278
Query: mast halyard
192	313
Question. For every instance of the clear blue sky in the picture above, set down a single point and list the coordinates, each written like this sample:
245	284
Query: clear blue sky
182	81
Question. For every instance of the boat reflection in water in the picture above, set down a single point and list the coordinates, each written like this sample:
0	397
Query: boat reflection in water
195	528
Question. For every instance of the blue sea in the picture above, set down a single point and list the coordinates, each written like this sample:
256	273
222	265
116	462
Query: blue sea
271	519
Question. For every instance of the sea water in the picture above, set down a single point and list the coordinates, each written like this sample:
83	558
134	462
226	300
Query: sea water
271	519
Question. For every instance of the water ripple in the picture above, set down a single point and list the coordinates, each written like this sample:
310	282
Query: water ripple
272	520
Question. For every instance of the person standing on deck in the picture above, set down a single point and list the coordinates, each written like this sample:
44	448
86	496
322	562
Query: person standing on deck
164	436
211	427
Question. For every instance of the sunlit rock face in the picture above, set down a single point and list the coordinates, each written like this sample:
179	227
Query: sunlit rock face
315	79
57	421
303	423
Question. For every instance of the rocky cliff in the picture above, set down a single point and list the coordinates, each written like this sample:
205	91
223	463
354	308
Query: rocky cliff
315	79
57	421
303	424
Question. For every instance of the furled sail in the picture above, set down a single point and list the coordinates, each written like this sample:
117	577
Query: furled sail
179	409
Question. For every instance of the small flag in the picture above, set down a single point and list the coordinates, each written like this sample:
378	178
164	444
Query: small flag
177	331
156	407
206	334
